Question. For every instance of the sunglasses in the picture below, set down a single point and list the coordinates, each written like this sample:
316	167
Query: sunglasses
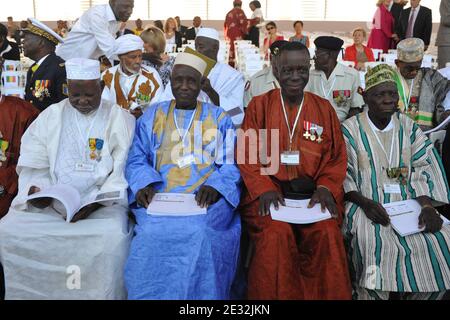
268	29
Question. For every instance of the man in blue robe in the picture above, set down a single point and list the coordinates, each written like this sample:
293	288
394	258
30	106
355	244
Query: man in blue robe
189	257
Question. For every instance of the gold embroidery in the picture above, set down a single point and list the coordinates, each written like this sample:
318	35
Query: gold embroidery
108	77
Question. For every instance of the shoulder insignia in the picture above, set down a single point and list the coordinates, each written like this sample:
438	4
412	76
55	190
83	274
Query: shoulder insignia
62	65
65	89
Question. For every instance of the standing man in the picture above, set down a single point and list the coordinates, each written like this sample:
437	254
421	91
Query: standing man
8	50
264	81
224	86
235	27
95	32
46	79
192	32
139	28
129	84
181	29
443	36
415	22
294	261
333	81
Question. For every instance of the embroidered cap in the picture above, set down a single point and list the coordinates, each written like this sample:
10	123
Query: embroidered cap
411	50
128	43
208	33
82	69
380	74
191	60
38	28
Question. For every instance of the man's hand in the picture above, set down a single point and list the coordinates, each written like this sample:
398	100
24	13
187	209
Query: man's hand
376	212
206	196
209	90
268	198
40	203
145	196
326	200
85	212
137	113
430	219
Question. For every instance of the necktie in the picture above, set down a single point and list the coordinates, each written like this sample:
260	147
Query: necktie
409	31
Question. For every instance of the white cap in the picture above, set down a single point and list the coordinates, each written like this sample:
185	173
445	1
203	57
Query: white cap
82	69
128	43
191	60
38	28
208	33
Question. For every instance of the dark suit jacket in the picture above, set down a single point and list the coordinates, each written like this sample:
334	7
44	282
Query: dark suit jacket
52	69
190	34
178	39
396	10
422	27
13	54
183	30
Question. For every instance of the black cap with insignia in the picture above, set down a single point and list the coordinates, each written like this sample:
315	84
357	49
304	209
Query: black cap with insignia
329	43
276	46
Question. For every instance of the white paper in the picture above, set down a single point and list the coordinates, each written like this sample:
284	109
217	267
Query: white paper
174	204
404	217
297	212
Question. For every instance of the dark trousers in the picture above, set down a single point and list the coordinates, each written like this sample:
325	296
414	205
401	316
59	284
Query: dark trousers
253	36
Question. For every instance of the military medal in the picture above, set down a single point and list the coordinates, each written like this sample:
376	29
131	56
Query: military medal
99	146
2	190
307	128
319	131
93	149
3	147
313	132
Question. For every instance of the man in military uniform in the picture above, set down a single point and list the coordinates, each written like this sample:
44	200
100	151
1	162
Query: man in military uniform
263	81
333	81
46	79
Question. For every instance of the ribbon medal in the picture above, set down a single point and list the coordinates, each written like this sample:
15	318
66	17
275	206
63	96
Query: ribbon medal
319	131
95	147
307	128
313	132
41	89
3	147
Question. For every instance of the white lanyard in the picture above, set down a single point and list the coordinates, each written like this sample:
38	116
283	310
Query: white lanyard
291	133
327	95
183	136
85	142
407	100
388	158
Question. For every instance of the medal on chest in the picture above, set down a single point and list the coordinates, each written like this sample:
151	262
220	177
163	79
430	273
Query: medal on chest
95	148
4	145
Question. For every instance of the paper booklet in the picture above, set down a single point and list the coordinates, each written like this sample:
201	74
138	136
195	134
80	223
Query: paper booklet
175	205
71	199
404	217
297	212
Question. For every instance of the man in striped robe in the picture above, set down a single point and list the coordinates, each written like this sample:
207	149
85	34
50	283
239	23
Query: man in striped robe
422	91
384	264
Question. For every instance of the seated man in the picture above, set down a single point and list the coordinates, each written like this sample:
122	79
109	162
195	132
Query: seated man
224	86
422	90
389	160
43	256
184	257
129	84
333	81
294	261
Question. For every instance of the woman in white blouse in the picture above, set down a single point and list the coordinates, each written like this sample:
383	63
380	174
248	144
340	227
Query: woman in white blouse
255	22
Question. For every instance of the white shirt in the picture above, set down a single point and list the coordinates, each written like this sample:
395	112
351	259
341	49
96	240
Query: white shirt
42	60
92	36
416	12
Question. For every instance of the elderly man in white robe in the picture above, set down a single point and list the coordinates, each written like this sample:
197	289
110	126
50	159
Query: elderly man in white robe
130	84
224	86
43	256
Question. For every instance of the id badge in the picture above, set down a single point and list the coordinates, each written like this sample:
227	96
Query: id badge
392	188
290	158
186	161
84	167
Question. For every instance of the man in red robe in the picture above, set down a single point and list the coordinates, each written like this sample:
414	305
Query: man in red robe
15	117
235	27
294	261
